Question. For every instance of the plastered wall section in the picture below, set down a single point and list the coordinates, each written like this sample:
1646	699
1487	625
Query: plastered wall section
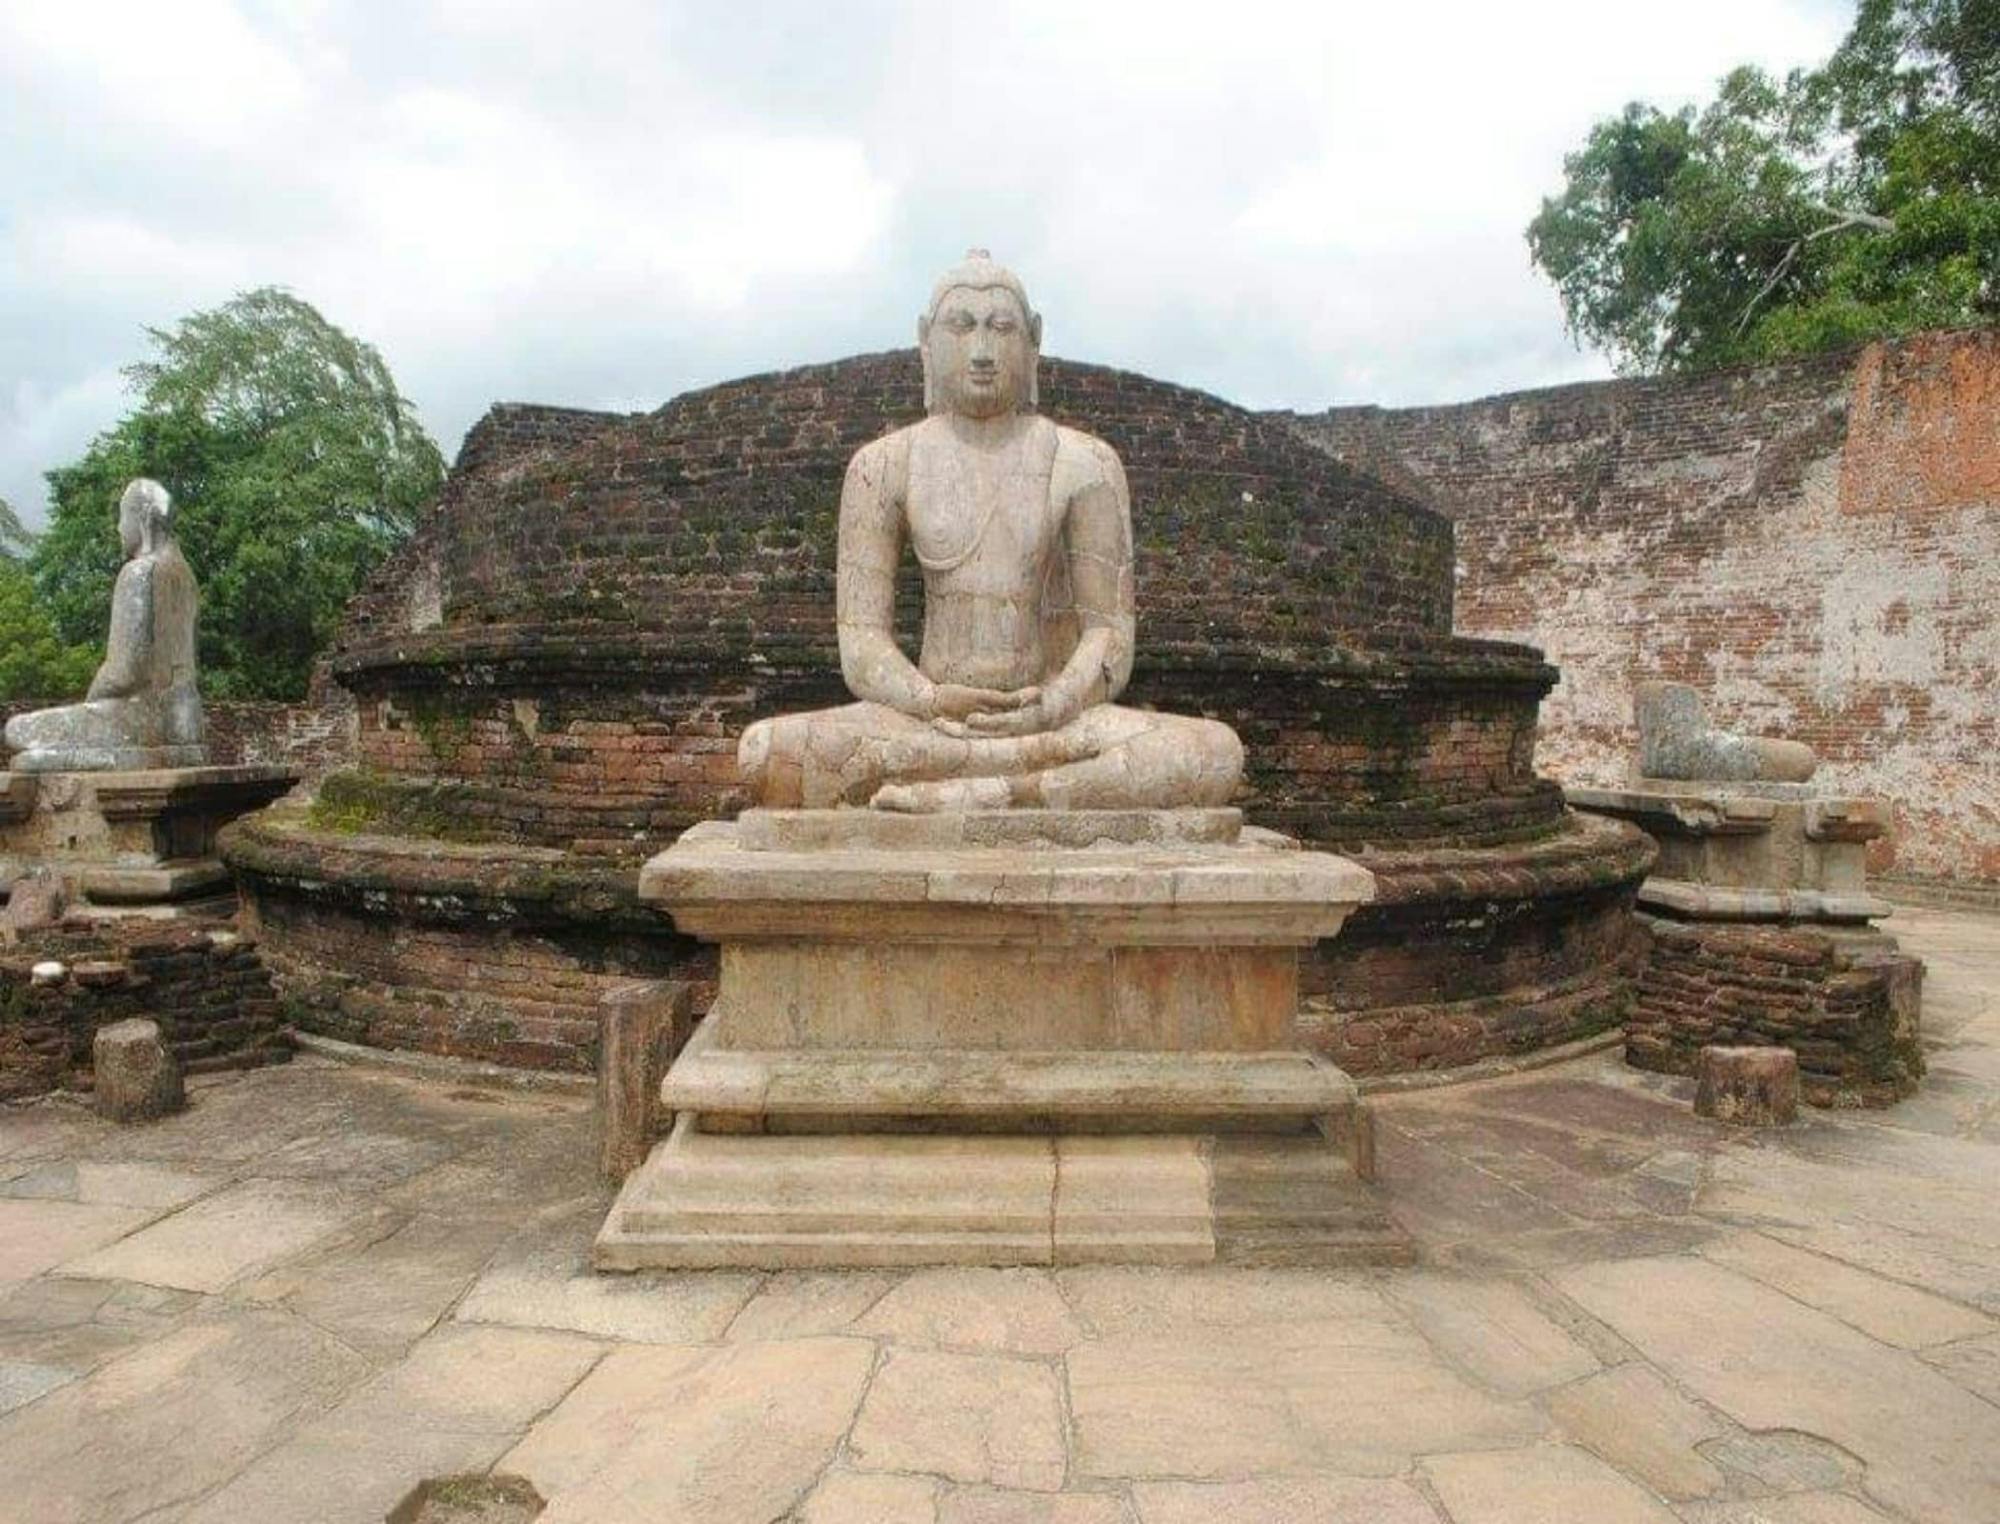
1816	545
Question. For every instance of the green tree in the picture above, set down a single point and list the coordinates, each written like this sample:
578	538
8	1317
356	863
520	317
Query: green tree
1845	203
295	465
34	662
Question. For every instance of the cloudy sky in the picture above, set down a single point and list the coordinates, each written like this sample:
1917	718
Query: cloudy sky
606	202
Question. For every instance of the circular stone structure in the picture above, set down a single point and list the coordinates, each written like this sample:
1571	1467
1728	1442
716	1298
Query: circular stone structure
551	676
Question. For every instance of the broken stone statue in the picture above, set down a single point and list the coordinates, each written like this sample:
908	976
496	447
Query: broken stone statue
1677	741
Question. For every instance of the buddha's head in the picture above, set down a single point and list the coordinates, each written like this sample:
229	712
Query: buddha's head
980	341
145	516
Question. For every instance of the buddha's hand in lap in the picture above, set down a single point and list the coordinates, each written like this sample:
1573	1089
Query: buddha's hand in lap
1045	711
973	712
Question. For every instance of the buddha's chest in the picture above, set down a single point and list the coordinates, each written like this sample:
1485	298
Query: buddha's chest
982	518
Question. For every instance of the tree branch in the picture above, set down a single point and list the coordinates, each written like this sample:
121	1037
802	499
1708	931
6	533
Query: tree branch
1844	220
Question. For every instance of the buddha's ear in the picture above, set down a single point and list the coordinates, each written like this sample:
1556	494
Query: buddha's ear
924	354
1035	329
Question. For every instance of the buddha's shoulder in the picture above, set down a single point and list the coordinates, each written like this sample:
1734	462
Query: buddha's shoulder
1084	460
885	458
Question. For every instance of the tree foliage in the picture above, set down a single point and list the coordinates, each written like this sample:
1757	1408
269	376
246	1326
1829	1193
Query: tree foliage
1845	203
295	466
34	662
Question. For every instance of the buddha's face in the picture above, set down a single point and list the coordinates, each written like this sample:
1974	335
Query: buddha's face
980	348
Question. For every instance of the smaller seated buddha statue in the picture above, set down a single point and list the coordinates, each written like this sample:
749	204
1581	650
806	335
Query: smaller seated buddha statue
1022	529
143	710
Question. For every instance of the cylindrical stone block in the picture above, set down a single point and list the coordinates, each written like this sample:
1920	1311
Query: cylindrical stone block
135	1078
1756	1087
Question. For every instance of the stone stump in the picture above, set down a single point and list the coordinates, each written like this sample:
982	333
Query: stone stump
1754	1087
136	1078
644	1024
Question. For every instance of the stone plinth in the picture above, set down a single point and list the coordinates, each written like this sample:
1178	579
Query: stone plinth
130	838
1751	851
1017	1052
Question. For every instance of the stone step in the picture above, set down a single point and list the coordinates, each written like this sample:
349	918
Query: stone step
996	1090
1285	1201
704	1200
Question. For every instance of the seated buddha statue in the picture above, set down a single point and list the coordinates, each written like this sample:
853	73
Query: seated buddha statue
143	709
1022	529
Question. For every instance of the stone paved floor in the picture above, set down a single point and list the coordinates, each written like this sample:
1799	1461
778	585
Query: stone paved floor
320	1285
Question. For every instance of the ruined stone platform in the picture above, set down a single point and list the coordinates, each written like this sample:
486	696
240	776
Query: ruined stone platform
1751	851
130	838
1762	932
1011	1038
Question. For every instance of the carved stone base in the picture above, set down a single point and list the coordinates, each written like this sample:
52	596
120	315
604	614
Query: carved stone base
130	838
707	1200
1751	851
982	1039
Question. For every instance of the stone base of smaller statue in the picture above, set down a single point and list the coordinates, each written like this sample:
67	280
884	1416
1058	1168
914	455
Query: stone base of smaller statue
1024	1037
1761	933
130	840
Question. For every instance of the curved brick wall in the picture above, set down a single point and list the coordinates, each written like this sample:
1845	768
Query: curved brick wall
715	516
550	678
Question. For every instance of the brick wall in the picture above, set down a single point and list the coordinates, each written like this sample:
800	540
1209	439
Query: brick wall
205	986
1815	545
1848	1010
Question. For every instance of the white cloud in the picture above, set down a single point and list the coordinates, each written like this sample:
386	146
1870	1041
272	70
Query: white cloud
1290	204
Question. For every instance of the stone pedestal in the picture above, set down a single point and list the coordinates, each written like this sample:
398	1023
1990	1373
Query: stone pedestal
1762	933
1751	851
130	838
1019	1038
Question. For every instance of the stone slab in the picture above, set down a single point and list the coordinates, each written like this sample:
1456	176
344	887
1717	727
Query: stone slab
1493	1330
727	1434
1635	1420
1535	1485
206	1246
859	1497
1932	1450
1284	1500
985	1419
975	1309
761	830
1251	893
1358	1395
1027	1092
171	1420
1884	1309
1708	902
37	1235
